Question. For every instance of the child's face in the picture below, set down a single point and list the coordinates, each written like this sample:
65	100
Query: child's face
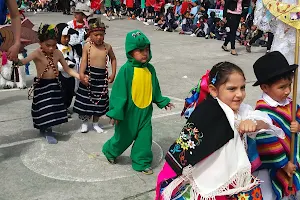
232	93
141	55
97	37
279	90
242	20
64	40
48	46
79	17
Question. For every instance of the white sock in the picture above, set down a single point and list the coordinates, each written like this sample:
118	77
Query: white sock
97	128
84	127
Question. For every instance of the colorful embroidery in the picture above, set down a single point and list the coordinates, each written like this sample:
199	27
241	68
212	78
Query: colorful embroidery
189	138
252	194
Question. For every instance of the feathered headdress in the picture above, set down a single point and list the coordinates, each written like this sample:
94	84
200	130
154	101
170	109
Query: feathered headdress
96	24
47	32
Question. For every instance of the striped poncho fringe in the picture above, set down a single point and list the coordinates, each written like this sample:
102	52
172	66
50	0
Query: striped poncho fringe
274	152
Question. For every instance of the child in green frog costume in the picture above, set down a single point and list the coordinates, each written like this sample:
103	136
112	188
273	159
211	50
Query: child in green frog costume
130	106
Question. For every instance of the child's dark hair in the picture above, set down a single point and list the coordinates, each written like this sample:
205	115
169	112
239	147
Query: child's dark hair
219	74
47	32
212	14
286	76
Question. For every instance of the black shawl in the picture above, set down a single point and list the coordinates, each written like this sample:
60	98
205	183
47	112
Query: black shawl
206	131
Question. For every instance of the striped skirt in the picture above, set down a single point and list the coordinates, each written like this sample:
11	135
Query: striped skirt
48	106
87	102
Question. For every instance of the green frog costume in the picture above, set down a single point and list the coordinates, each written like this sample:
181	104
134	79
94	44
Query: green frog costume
135	89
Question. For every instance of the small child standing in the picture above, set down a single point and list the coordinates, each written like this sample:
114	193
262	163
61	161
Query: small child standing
135	89
92	100
79	23
70	55
275	76
47	107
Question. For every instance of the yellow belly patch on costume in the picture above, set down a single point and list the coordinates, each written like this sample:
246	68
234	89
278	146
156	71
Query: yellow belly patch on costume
141	89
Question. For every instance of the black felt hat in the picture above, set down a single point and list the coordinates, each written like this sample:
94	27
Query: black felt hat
271	65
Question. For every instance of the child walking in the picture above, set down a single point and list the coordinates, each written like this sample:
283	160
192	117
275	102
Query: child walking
92	100
70	55
135	89
274	76
209	159
48	107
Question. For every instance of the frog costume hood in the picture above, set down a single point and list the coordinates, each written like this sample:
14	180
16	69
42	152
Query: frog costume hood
136	40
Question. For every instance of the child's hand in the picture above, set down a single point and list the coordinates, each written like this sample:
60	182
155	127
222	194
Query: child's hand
113	122
169	106
247	126
85	80
294	127
289	169
111	78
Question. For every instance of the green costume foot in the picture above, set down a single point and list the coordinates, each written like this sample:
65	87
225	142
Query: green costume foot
148	171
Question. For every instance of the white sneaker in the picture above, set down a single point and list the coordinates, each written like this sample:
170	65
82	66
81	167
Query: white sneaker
155	24
146	23
113	17
84	128
97	128
104	14
193	35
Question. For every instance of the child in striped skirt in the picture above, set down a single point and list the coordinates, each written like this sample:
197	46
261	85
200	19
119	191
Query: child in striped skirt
92	99
48	107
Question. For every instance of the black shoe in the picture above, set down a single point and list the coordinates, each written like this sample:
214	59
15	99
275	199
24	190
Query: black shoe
111	161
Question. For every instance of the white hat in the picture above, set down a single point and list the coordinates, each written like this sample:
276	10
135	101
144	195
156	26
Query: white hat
83	8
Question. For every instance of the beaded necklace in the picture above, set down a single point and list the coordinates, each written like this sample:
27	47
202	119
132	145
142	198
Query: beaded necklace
105	88
50	65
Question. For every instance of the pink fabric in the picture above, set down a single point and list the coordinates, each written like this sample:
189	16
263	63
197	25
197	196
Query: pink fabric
204	87
238	9
4	58
166	173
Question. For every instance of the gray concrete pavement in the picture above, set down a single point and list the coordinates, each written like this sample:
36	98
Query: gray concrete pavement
75	168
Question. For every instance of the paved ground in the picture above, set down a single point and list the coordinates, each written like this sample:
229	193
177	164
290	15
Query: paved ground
75	169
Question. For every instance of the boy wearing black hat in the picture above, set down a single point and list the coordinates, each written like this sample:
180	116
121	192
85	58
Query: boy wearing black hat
274	76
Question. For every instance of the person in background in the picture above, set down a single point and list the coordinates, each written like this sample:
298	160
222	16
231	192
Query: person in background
232	14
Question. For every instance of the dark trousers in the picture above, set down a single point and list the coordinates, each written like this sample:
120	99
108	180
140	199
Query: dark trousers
66	6
68	86
259	35
233	22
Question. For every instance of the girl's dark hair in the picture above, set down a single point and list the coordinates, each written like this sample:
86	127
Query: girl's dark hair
220	73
